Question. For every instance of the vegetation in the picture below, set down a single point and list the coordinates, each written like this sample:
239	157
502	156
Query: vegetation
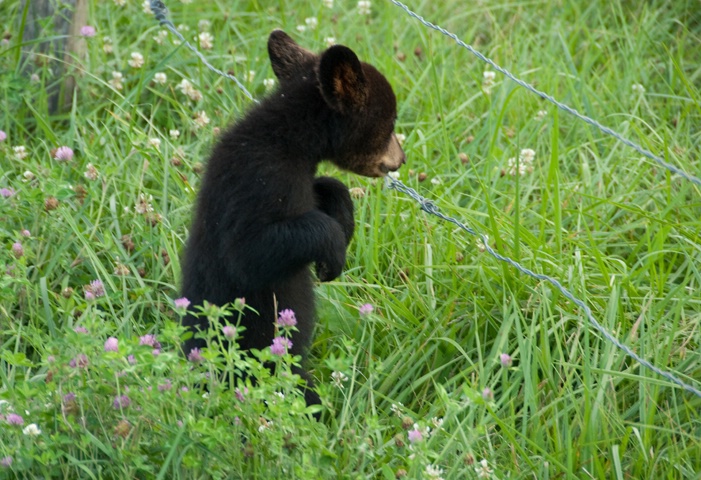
463	367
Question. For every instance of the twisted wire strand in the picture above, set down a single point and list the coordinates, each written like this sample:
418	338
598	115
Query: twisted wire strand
431	208
161	12
551	99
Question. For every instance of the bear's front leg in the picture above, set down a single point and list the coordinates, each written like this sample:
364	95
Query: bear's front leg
333	198
271	253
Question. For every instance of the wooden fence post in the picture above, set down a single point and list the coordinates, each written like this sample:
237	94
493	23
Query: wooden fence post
64	50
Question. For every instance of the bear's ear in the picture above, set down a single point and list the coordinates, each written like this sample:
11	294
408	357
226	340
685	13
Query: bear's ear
289	60
341	78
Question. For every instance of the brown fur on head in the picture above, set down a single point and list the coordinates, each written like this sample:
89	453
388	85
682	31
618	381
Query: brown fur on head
357	92
288	59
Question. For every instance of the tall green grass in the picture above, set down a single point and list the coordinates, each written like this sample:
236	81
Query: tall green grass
621	233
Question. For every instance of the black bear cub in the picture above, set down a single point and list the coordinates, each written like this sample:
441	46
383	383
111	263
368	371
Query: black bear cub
262	217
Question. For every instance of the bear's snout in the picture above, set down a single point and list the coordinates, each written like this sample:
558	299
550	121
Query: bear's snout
394	157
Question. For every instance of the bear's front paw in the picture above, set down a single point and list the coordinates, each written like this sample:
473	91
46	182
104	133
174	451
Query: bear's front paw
332	265
323	272
327	271
333	198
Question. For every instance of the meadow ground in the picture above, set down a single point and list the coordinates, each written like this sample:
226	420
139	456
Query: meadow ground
464	368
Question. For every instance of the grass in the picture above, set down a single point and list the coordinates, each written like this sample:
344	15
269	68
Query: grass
618	231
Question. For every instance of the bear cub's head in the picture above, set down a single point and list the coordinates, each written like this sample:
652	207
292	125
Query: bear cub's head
361	105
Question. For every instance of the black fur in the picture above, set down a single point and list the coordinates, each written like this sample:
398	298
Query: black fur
262	217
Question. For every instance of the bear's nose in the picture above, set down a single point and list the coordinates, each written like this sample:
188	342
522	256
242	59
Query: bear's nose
402	161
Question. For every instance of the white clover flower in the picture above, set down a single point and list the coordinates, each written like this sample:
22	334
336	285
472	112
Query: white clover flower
121	3
524	164
183	28
206	40
107	45
328	3
146	7
397	408
31	430
269	83
480	243
203	25
195	95
338	379
301	28
437	422
357	192
364	8
400	138
311	22
20	152
34	78
28	176
116	81
393	175
174	134
527	155
264	424
249	76
137	60
155	143
91	172
143	204
433	472
436	181
186	87
160	78
120	269
483	471
488	81
161	37
201	119
638	88
541	114
330	41
515	168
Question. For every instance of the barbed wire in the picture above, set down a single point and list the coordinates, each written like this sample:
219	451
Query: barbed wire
160	11
545	96
431	208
